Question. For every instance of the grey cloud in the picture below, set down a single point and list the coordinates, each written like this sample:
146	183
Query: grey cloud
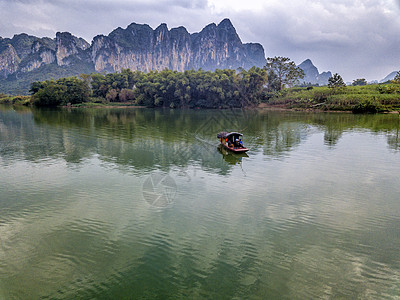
355	38
359	39
90	18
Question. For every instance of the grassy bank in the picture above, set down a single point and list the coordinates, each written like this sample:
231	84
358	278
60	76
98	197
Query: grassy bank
359	99
15	100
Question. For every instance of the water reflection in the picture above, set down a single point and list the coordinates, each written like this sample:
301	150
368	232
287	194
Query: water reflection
129	137
231	158
311	212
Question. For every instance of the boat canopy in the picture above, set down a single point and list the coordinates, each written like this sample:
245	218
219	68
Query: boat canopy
225	135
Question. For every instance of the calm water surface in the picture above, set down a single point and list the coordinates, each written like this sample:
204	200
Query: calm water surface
142	204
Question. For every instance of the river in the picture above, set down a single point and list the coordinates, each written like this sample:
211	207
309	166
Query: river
142	204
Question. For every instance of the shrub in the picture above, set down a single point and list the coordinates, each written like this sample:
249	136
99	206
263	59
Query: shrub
112	95
367	106
388	89
4	99
21	100
126	95
61	92
50	95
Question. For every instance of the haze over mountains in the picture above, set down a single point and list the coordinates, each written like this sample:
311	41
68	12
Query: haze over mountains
26	58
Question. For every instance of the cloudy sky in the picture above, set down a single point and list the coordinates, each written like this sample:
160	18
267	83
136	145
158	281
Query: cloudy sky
357	39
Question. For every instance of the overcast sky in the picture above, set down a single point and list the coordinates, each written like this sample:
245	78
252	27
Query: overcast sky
357	39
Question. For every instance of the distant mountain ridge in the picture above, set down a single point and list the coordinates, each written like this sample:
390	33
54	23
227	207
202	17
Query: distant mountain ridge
138	47
389	77
312	74
24	53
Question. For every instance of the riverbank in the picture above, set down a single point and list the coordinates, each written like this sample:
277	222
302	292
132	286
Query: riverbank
358	99
15	100
105	104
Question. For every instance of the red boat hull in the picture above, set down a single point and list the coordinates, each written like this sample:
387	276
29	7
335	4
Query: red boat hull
235	149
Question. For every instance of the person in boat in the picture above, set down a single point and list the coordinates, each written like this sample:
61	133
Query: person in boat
237	144
229	143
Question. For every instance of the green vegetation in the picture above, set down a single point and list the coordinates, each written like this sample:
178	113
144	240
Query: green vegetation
203	89
360	81
61	92
336	81
359	99
17	100
271	86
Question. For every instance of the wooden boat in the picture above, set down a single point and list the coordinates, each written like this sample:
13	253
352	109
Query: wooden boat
232	141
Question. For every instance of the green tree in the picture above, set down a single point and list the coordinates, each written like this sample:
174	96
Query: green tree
99	85
60	92
35	87
336	81
282	72
273	83
252	85
76	90
112	95
167	88
126	95
86	78
360	81
50	95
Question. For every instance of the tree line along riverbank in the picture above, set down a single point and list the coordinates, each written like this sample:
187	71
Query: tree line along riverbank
370	99
271	86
